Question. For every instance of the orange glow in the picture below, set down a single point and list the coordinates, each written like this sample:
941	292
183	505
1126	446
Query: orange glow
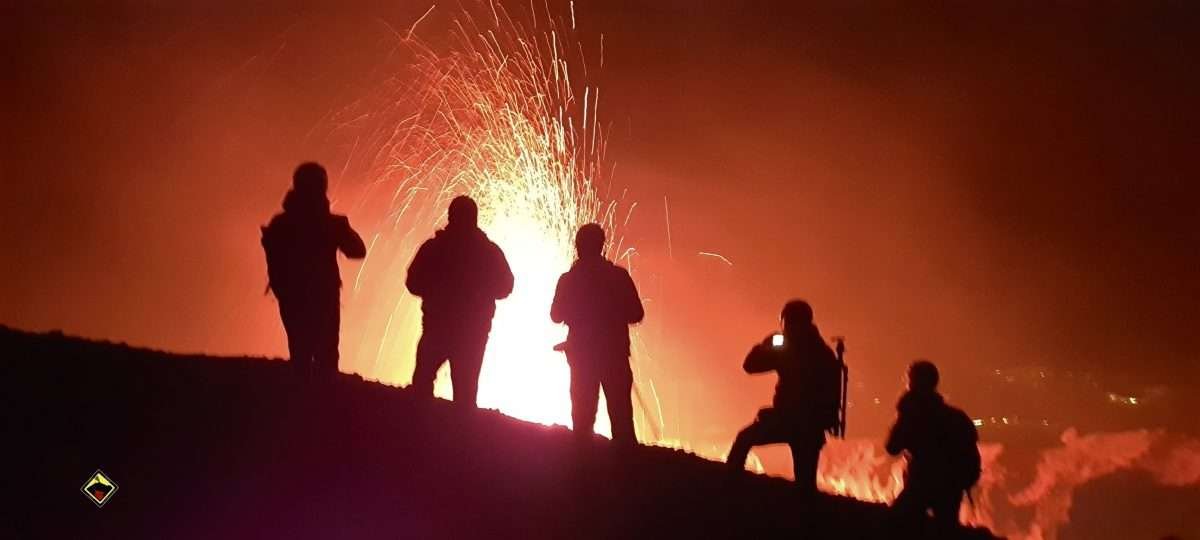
929	201
498	117
858	469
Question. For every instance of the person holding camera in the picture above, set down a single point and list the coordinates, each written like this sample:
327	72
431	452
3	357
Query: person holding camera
807	396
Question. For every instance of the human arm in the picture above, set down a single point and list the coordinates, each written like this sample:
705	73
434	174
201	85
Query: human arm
897	440
558	308
762	358
348	241
270	244
633	310
502	274
418	280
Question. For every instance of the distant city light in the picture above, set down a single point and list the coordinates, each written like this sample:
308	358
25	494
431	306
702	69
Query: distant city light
978	422
1123	400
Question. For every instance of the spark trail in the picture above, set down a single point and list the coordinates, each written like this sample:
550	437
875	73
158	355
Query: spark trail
492	110
495	114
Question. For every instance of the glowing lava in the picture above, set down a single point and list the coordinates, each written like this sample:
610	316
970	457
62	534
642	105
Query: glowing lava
495	115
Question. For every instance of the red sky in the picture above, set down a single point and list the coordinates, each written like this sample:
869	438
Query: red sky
984	187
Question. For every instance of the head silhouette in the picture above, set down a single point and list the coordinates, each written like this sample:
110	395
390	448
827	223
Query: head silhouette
307	196
922	376
589	241
797	317
310	179
463	213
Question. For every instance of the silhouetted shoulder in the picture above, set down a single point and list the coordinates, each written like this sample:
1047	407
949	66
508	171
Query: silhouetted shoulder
495	252
824	352
627	289
278	227
501	277
420	279
429	245
962	423
623	276
275	221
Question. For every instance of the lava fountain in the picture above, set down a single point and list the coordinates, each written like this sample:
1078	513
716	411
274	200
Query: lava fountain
495	115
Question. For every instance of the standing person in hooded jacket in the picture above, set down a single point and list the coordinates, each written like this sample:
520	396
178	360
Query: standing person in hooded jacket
941	444
598	301
459	275
301	245
807	396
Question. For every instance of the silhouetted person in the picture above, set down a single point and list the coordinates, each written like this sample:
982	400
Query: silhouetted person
301	246
459	274
598	301
807	396
942	448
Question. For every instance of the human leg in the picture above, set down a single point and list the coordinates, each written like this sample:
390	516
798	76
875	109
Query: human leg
755	434
465	364
910	508
430	355
585	398
806	454
299	336
325	353
618	385
946	505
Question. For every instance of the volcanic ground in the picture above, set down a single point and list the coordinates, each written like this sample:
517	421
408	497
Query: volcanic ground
206	447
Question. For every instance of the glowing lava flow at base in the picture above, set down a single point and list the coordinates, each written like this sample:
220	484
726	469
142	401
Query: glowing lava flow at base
496	116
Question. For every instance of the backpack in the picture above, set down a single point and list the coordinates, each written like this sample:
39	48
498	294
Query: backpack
279	260
964	464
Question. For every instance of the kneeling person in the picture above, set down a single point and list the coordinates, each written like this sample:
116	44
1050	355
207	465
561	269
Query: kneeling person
807	397
941	444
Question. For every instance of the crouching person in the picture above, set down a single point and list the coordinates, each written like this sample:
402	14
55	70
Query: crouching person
941	444
807	397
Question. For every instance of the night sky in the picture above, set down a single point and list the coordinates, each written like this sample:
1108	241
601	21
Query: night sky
989	187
